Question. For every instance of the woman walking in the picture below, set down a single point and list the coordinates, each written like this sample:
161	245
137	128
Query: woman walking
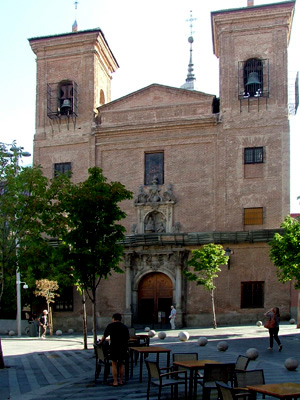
273	320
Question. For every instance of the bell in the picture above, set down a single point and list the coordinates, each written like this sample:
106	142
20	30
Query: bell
253	79
66	105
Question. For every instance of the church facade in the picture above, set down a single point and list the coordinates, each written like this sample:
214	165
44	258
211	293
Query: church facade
202	169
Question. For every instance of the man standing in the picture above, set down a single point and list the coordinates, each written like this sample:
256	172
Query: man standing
119	336
43	320
172	317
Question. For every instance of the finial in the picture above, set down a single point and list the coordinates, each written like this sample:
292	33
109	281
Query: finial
75	25
189	82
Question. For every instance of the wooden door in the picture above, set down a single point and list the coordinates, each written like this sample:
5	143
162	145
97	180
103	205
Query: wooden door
155	298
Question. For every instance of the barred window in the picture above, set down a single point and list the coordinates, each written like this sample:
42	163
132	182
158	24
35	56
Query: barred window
252	294
253	155
253	216
62	168
154	168
65	300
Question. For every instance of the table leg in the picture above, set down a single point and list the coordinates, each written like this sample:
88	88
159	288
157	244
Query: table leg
141	366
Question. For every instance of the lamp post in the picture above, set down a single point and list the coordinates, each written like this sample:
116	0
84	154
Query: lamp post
25	286
17	153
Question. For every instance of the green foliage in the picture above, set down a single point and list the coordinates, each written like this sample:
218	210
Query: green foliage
206	262
91	240
285	251
28	215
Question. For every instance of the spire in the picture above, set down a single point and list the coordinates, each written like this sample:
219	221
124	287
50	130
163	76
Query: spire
190	80
75	25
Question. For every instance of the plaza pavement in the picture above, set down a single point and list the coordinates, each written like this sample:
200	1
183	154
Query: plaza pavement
58	368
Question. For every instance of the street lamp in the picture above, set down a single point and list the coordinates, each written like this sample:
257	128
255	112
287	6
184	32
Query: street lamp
25	286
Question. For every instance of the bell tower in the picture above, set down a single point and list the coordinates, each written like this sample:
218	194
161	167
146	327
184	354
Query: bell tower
74	72
251	44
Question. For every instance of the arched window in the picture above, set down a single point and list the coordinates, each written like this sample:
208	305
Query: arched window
65	97
253	78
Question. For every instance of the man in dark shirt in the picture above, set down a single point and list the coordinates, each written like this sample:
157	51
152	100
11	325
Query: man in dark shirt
119	336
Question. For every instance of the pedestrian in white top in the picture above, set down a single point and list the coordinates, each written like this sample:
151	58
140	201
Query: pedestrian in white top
172	317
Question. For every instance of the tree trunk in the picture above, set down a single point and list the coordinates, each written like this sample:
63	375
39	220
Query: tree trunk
84	322
94	315
50	320
298	311
213	309
1	357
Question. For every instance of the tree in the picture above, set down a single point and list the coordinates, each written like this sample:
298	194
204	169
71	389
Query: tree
285	254
206	262
47	289
91	239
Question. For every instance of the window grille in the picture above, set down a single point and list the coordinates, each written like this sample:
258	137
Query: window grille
62	168
253	78
253	155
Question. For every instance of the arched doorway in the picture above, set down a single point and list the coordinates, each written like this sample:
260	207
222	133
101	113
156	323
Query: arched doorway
155	299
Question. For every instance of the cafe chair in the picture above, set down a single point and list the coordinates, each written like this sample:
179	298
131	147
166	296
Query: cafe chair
225	392
248	378
157	378
213	373
242	363
102	360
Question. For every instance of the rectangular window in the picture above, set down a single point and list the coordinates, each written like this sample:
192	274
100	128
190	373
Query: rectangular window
62	168
252	294
65	300
154	168
253	155
253	216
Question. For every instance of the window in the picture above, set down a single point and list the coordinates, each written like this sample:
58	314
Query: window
253	155
62	168
65	300
154	168
253	78
253	216
252	294
62	99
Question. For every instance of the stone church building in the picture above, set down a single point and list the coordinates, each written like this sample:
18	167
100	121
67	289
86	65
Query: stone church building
202	169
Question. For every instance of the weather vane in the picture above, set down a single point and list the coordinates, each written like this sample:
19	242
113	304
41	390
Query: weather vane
191	20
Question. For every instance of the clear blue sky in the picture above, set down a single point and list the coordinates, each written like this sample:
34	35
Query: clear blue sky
148	39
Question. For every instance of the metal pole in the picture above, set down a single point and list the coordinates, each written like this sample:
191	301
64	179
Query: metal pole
18	284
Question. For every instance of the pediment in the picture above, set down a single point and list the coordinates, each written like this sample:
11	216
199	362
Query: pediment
155	104
158	95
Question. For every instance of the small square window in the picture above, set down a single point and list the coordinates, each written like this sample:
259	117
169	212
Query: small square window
253	216
154	168
62	168
252	294
253	155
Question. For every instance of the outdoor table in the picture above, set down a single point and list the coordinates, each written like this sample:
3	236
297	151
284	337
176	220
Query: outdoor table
144	351
194	366
286	390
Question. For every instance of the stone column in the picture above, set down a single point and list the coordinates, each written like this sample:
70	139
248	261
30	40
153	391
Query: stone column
178	294
128	290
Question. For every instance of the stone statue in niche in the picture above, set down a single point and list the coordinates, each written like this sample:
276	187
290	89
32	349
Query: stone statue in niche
149	225
176	227
155	222
169	195
142	197
154	195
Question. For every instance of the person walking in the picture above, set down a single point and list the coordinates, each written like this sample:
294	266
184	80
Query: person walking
119	336
273	321
43	321
172	317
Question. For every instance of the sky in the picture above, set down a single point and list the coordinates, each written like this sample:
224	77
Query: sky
149	41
